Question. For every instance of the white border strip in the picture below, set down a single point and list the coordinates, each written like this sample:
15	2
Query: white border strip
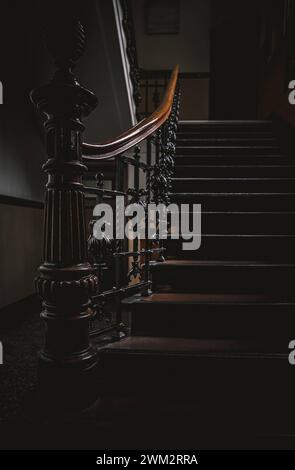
125	63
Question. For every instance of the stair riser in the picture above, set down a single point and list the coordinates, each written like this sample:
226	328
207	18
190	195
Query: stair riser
247	223
222	134
226	142
226	127
231	186
236	202
214	321
234	172
235	248
227	150
230	223
236	159
238	386
219	279
222	382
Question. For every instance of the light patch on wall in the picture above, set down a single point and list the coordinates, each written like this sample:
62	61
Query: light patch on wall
162	16
1	93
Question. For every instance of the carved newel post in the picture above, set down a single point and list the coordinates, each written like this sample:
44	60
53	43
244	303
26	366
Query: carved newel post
66	280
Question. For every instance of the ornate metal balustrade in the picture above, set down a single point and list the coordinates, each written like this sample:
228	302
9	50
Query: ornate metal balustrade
82	289
153	83
153	167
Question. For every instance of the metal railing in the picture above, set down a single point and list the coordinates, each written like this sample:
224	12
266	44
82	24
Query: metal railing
152	165
71	287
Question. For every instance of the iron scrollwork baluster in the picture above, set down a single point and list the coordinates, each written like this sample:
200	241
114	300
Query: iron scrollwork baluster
164	167
147	256
99	253
136	194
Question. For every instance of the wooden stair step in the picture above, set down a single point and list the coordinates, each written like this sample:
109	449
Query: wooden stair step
252	184
227	125
193	369
246	223
232	349
223	316
224	134
243	201
234	159
221	141
223	276
228	150
252	247
207	299
234	171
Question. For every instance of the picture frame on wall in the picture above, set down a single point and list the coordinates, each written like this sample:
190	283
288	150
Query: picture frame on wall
162	16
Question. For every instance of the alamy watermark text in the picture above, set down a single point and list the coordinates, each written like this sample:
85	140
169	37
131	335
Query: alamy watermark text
154	221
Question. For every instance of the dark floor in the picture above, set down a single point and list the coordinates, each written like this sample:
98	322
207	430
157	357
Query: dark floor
109	423
18	372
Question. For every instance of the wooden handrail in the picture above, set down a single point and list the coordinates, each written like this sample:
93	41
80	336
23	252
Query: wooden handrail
136	134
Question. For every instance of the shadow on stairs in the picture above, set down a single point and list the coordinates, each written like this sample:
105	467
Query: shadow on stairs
209	348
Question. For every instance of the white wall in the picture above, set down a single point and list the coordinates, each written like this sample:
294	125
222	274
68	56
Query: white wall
101	70
189	48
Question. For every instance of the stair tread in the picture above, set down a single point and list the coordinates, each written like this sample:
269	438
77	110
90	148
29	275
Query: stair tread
252	147
238	178
221	121
240	235
204	298
222	303
222	263
222	155
216	194
246	212
212	138
183	133
193	347
263	201
235	166
223	139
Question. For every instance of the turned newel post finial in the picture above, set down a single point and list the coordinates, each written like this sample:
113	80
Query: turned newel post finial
65	39
66	281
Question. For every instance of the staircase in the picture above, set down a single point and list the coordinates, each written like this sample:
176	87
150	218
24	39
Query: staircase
215	331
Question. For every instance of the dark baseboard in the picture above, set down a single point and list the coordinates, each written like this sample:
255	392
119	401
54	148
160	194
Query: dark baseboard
13	314
16	201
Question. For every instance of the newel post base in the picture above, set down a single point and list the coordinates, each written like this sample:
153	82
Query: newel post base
67	365
66	281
